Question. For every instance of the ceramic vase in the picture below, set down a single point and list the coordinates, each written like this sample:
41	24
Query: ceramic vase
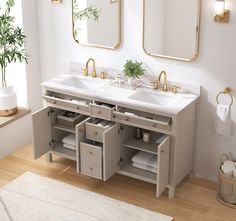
8	101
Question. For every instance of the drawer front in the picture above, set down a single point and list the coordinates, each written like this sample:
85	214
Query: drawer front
162	123
92	169
94	132
100	111
91	153
61	103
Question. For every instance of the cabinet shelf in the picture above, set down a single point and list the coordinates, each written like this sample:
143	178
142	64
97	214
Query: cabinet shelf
64	127
128	170
64	152
151	147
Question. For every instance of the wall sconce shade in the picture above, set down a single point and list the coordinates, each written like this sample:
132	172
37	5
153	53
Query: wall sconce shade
220	14
56	1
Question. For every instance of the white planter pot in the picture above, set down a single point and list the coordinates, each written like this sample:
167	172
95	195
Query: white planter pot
8	101
131	81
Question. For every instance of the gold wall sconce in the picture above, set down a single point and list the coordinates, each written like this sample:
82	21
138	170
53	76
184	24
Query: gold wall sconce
221	14
56	1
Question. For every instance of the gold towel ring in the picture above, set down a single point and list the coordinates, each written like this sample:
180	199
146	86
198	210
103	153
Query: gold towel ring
226	91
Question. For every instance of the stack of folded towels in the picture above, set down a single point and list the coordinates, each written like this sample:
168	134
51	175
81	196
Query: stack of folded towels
69	142
145	161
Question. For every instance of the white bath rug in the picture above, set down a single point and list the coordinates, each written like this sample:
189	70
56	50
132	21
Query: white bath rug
32	197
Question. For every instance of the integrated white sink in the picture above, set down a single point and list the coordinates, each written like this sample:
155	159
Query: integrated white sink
83	83
154	98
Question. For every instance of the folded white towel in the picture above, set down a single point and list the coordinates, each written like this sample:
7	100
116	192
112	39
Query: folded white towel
69	146
143	167
70	139
146	159
223	120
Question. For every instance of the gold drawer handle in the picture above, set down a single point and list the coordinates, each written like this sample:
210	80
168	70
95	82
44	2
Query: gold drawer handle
96	133
99	112
91	153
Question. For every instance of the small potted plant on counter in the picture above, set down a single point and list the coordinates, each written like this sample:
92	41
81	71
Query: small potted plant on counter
12	49
133	70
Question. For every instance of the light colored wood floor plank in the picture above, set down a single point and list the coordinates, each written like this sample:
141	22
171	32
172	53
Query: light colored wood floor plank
195	198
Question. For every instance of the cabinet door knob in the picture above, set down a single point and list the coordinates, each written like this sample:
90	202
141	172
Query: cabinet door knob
162	151
78	107
99	112
127	119
80	130
91	168
96	133
91	153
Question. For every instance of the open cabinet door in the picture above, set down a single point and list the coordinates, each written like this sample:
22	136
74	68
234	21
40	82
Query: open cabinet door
163	165
111	151
41	132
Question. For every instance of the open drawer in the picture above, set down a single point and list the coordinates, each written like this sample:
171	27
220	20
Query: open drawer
142	119
67	102
101	110
95	129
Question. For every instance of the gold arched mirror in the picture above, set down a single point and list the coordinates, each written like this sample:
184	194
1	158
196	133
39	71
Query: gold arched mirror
97	23
171	28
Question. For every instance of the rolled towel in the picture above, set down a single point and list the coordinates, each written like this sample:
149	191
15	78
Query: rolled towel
223	120
70	139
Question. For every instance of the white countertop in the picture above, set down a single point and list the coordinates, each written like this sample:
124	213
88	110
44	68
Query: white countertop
120	95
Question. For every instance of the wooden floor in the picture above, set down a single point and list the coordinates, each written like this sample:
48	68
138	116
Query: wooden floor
195	198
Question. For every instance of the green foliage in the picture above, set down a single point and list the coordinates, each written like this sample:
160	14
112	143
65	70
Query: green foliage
12	41
91	12
133	69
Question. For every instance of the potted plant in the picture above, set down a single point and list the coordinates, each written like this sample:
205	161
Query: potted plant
133	70
12	49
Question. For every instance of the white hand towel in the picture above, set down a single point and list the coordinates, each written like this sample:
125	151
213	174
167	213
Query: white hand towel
145	158
69	146
223	120
70	139
143	167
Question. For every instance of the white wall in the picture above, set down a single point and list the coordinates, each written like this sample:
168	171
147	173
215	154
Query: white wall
214	69
33	76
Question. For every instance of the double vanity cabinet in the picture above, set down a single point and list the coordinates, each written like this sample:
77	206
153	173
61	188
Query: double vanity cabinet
104	150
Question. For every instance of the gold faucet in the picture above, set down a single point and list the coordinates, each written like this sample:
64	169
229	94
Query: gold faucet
165	85
94	73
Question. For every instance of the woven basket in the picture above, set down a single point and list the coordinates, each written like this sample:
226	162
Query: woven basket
226	190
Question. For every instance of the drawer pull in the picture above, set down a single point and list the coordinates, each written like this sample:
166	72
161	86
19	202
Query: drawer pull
162	151
99	112
127	119
91	168
54	102
78	107
91	153
96	133
80	130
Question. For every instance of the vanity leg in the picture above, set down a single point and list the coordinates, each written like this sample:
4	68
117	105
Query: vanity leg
49	157
171	192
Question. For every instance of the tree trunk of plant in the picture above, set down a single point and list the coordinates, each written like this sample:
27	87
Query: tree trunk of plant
4	83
